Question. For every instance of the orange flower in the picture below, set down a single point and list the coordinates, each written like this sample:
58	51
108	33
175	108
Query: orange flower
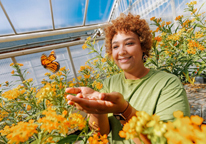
158	38
11	64
12	72
196	119
122	134
152	18
168	23
157	29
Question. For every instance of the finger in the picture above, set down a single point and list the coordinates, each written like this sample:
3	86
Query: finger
79	95
70	102
92	105
73	90
113	96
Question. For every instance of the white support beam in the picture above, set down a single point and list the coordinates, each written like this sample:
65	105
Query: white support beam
85	12
44	48
112	11
50	33
52	16
72	63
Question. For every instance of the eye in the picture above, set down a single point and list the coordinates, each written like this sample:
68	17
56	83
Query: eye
129	43
115	46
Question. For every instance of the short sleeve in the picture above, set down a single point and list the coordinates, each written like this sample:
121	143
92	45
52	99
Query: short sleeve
172	98
105	88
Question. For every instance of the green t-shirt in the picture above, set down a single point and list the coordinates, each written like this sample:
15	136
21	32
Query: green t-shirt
158	93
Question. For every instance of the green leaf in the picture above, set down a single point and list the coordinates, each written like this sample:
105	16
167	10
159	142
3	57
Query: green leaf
153	62
69	139
35	142
91	52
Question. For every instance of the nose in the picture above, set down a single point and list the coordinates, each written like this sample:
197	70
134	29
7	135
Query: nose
122	50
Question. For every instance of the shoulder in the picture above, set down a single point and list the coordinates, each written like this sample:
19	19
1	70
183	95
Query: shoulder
166	79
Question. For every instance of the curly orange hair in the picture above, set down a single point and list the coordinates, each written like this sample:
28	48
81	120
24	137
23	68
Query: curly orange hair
129	23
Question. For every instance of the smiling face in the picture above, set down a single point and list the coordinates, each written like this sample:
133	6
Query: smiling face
127	52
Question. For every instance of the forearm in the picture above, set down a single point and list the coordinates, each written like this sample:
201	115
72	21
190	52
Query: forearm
99	122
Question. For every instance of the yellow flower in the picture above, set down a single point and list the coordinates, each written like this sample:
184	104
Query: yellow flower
178	114
79	77
104	60
62	69
88	38
84	46
21	132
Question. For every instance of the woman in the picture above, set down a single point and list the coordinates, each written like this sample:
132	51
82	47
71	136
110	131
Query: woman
137	88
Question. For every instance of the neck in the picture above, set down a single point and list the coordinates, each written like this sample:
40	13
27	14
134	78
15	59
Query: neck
137	74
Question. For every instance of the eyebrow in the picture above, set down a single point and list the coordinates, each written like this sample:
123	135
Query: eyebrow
123	40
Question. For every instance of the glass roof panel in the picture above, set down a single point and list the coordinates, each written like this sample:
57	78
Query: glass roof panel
68	13
5	27
98	11
29	15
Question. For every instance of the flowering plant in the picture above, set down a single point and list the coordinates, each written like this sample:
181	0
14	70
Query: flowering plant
40	115
180	50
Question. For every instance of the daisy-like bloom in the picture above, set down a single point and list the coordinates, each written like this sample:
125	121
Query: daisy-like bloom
20	132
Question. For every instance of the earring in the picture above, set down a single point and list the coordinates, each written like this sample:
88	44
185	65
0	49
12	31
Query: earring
144	57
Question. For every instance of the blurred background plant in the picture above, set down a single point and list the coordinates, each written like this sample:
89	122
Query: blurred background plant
180	50
181	130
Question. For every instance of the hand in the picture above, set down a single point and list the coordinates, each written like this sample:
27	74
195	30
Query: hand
94	102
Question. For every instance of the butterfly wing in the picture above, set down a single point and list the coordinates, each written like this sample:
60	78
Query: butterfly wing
53	66
52	56
44	60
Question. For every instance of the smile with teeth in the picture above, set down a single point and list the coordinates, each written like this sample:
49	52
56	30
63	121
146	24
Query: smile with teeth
123	60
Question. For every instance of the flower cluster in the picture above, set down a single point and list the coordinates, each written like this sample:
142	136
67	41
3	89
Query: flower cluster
181	130
98	139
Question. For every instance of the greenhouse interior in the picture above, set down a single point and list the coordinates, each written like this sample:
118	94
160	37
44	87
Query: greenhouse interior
47	46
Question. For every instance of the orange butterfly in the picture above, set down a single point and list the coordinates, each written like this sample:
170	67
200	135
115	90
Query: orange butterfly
49	63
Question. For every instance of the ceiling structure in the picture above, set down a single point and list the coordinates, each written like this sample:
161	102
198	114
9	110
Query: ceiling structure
35	23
